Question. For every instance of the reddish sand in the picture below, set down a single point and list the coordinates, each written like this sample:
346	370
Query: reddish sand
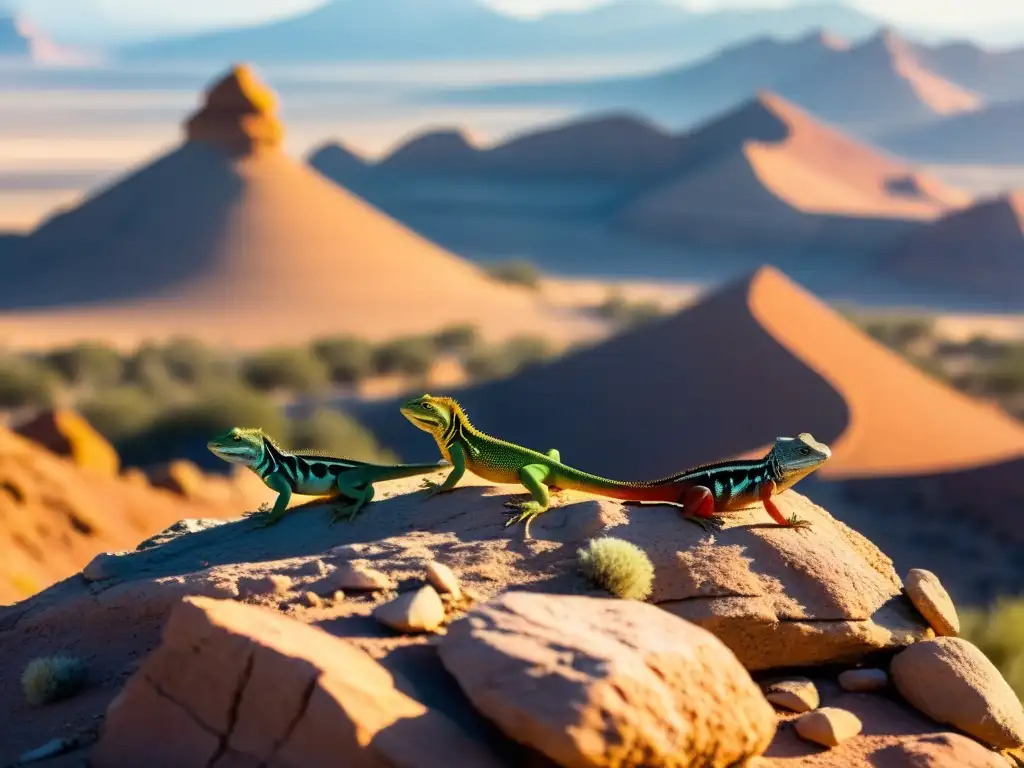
229	240
769	167
758	359
980	249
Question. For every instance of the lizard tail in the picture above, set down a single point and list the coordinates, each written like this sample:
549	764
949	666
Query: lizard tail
409	470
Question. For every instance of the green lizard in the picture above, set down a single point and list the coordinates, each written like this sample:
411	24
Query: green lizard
703	492
309	474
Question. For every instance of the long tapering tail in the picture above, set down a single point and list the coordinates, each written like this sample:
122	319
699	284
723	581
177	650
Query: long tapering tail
396	471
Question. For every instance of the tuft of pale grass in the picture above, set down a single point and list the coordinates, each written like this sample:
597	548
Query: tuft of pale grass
47	679
621	568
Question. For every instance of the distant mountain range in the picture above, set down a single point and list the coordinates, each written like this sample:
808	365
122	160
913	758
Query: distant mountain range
883	84
467	29
22	41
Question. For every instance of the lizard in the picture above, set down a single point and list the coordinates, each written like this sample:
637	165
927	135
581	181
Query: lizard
307	473
704	492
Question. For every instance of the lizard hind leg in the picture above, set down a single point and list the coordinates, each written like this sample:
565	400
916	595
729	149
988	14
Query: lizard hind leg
554	455
350	501
699	508
532	476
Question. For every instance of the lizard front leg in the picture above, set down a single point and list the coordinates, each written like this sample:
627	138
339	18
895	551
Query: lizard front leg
458	470
767	491
554	455
532	476
279	483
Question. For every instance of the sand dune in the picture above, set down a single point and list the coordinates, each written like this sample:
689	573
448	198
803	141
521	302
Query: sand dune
758	358
987	136
880	82
769	173
979	249
228	239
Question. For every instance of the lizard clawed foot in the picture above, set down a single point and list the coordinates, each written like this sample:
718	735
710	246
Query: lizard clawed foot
796	522
528	510
432	488
346	512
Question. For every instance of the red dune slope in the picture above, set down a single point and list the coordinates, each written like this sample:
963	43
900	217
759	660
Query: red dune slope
757	359
769	169
228	239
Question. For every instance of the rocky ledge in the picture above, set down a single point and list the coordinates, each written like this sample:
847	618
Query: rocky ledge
425	633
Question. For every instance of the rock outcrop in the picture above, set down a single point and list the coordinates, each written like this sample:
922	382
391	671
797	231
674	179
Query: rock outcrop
239	115
66	433
276	653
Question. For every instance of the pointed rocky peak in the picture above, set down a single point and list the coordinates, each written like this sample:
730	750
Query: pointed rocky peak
239	114
441	149
821	38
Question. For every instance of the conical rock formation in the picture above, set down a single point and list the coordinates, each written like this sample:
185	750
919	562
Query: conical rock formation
239	116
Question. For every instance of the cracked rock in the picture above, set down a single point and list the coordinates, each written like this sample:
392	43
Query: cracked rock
579	677
240	685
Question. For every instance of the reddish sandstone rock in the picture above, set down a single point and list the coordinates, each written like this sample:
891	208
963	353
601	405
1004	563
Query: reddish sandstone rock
66	433
239	115
603	682
249	686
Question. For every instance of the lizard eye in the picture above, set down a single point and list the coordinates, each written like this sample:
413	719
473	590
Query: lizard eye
237	438
805	451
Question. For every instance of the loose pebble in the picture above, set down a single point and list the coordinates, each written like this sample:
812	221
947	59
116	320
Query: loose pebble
314	600
863	680
797	694
272	584
932	601
828	726
355	577
444	579
419	611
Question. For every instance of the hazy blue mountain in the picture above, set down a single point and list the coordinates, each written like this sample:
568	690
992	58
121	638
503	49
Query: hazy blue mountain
412	29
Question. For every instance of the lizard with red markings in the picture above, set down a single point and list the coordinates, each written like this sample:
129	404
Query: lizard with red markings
704	493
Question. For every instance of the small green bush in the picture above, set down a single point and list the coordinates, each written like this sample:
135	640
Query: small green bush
899	333
520	272
621	568
191	362
508	358
295	369
337	433
999	633
25	382
147	368
121	413
457	340
348	360
88	363
628	314
409	356
1005	375
52	678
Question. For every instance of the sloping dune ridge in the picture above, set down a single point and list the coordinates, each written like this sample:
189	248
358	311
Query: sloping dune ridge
757	359
770	166
228	239
980	249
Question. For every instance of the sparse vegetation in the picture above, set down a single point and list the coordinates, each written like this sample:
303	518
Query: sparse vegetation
88	364
999	633
337	433
505	359
624	313
618	566
25	382
519	272
457	340
121	413
409	356
47	679
348	360
296	369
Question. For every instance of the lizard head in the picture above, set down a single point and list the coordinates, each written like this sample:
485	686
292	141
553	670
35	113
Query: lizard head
239	446
431	414
797	457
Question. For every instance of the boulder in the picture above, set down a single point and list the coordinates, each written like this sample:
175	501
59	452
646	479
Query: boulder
239	116
66	433
604	682
243	685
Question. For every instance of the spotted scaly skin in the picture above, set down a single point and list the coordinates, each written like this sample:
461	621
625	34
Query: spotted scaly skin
703	492
307	473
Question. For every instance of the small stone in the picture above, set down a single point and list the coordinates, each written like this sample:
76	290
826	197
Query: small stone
797	694
271	584
952	681
353	576
444	579
419	611
314	600
932	601
102	566
338	597
863	680
828	726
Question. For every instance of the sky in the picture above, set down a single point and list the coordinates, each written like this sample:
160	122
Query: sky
937	14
